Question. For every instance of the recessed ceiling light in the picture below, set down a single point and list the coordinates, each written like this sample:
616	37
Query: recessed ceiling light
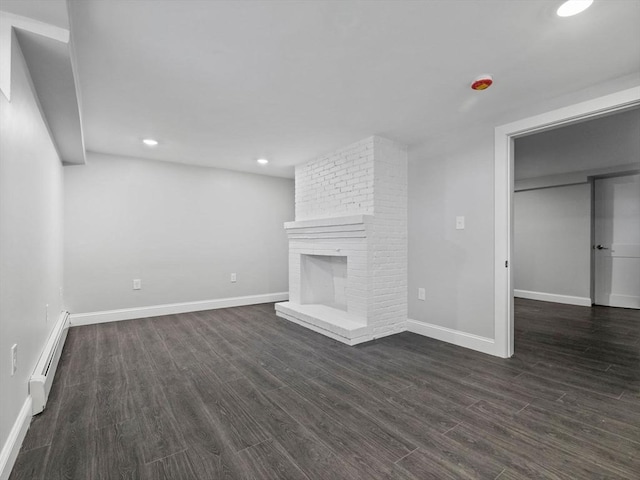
150	142
263	161
573	7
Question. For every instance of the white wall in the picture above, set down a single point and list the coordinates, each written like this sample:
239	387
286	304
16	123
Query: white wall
552	226
603	142
454	266
30	239
454	176
552	240
181	229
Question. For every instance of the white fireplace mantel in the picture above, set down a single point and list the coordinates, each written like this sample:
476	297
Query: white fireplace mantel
348	245
328	222
355	226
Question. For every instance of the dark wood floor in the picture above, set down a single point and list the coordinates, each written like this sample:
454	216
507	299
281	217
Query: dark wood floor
239	393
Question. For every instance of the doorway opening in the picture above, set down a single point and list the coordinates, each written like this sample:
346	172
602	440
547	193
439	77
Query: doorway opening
504	188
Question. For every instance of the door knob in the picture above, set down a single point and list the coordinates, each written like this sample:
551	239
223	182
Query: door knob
600	247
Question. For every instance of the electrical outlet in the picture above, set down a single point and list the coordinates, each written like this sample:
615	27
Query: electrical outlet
137	284
233	278
422	294
14	359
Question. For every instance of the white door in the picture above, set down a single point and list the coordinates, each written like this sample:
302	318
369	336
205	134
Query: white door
617	241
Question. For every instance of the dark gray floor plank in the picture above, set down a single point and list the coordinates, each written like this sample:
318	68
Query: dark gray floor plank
158	427
523	391
82	359
174	467
133	356
30	464
268	461
210	448
124	461
252	369
530	353
113	405
378	434
594	418
607	447
203	326
155	348
481	391
308	452
344	442
238	393
235	421
208	464
449	459
42	428
596	382
525	451
70	453
597	446
512	475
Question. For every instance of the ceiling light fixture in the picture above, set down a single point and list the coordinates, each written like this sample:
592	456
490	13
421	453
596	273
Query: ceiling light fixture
262	161
150	142
573	7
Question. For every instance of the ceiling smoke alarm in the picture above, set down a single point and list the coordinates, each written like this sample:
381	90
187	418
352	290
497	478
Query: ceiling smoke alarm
482	82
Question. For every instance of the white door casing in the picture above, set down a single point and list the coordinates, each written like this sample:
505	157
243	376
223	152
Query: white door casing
617	241
503	195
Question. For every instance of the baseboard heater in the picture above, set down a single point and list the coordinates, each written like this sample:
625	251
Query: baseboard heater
42	378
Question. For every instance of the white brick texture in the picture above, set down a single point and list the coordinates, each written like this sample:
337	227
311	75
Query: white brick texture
368	180
338	184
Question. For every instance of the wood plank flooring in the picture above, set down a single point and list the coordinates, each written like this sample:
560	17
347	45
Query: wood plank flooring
241	394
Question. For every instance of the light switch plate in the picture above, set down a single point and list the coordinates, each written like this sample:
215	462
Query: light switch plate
14	359
459	223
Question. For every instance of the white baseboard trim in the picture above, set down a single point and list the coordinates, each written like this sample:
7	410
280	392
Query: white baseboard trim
402	327
552	297
173	308
624	301
12	446
456	337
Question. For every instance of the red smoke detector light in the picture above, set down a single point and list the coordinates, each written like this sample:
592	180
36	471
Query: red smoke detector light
482	83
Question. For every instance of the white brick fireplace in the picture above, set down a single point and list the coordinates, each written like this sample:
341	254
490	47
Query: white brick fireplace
348	244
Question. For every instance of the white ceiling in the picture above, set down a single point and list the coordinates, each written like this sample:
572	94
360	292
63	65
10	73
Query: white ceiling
53	12
222	83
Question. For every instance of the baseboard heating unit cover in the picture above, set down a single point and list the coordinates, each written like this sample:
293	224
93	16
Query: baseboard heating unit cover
42	378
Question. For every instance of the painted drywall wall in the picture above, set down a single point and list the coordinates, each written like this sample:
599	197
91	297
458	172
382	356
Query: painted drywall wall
552	232
454	266
603	142
181	230
31	238
552	240
454	176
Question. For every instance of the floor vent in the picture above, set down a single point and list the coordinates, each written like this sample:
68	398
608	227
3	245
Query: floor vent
42	378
